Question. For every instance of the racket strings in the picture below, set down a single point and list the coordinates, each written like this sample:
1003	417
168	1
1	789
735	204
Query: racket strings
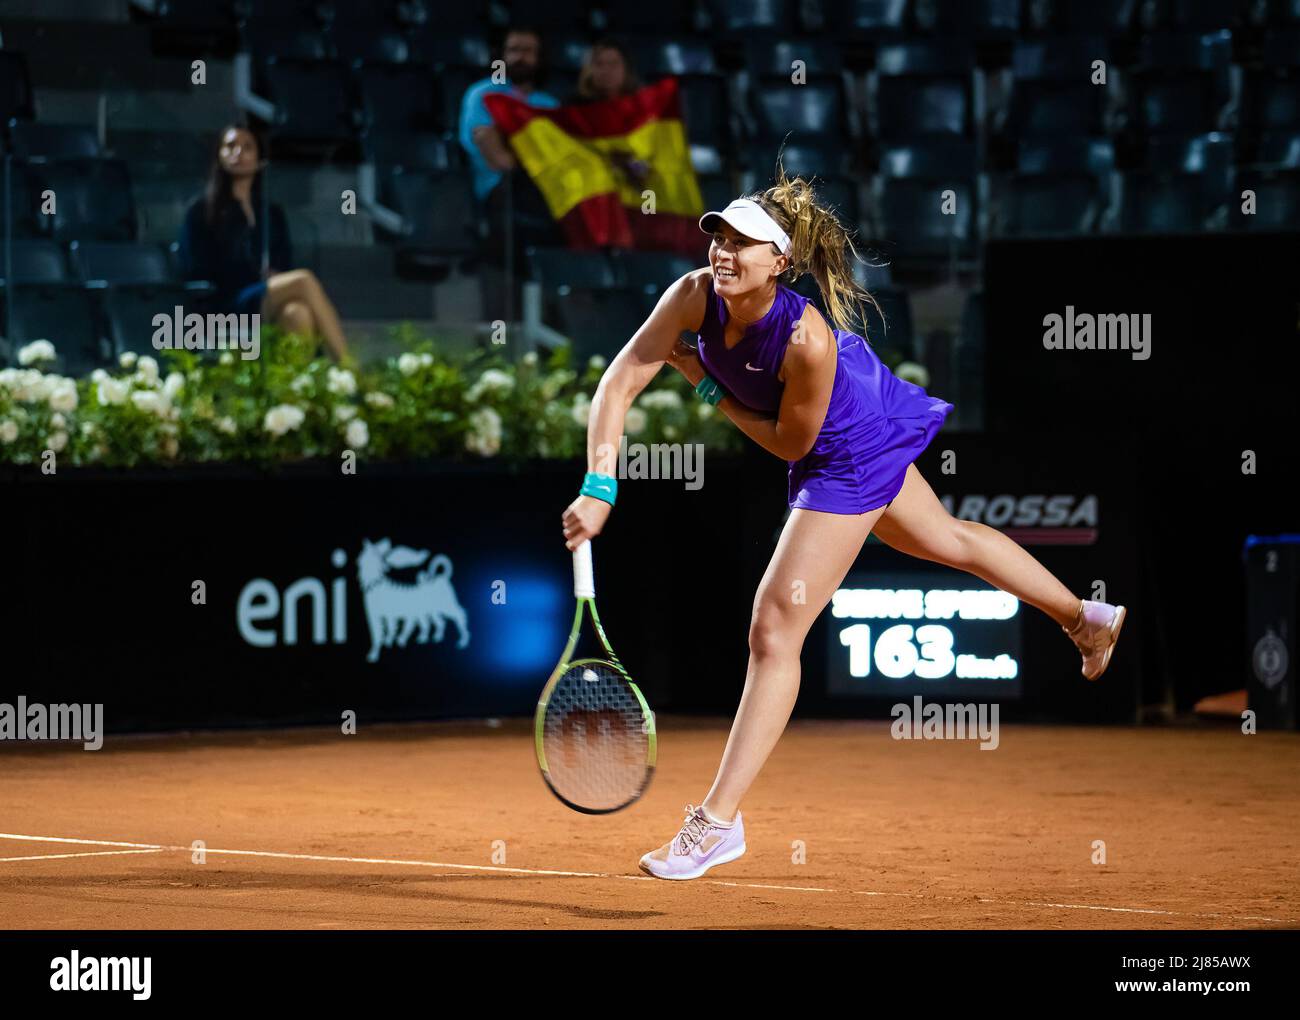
595	737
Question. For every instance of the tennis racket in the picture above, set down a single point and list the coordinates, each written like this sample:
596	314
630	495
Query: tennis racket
594	732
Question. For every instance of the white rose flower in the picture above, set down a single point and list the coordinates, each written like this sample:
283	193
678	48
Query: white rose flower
704	411
87	429
146	370
174	383
408	364
58	421
151	401
226	425
666	400
63	396
597	362
635	422
910	371
426	359
341	381
8	431
581	408
226	358
344	412
99	375
380	400
127	360
491	383
283	418
485	436
301	384
36	351
113	391
358	434
56	441
670	431
530	359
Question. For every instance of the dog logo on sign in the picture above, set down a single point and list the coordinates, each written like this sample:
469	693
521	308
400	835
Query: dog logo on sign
399	605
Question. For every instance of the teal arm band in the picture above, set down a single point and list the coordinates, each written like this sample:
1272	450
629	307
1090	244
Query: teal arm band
709	390
601	486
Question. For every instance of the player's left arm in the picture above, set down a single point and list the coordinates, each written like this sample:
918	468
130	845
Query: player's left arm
808	371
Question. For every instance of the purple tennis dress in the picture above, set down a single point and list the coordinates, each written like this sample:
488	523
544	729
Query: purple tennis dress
875	426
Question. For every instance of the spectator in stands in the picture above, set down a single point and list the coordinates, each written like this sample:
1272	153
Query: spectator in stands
606	74
490	156
221	240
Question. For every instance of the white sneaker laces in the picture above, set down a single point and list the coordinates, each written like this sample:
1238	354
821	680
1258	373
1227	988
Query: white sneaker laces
693	830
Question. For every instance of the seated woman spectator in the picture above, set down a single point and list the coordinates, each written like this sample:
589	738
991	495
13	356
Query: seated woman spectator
606	74
222	237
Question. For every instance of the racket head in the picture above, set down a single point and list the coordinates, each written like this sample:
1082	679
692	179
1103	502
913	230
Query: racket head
595	737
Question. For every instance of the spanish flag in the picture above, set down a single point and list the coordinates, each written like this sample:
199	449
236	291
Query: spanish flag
615	172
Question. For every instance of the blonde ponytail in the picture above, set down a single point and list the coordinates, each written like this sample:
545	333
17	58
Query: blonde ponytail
819	245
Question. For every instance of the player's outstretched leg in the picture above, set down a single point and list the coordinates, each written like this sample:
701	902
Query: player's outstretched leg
918	524
814	553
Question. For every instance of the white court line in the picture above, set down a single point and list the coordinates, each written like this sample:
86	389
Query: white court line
92	853
640	878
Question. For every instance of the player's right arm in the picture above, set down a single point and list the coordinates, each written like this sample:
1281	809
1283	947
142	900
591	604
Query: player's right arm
680	309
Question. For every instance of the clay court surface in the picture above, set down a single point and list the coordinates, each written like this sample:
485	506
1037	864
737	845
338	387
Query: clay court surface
394	828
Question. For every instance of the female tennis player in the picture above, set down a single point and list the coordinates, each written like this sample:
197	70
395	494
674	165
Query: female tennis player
819	398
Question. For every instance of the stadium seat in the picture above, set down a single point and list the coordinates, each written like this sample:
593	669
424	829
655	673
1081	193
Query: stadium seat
1271	92
398	99
969	359
743	18
1060	187
129	313
296	70
656	57
633	20
1050	92
972	19
1111	19
560	270
23	218
40	263
1209	154
123	264
907	203
64	314
426	149
1277	199
433	44
32	140
652	272
438	207
370	43
1169	203
1181	84
15	88
1187	15
867	20
921	88
93	199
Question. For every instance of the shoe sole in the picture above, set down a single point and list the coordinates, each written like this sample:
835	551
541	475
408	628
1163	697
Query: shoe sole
726	858
1120	613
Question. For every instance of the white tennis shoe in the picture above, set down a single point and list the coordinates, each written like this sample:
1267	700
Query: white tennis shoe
1095	635
698	846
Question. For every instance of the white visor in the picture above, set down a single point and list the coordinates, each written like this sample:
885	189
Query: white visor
751	219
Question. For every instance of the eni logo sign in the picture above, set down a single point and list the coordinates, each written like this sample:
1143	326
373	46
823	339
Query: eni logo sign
407	593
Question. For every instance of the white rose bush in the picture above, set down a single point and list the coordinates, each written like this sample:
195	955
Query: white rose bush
289	405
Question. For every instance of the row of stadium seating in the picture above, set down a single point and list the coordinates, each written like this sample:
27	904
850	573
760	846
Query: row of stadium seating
734	19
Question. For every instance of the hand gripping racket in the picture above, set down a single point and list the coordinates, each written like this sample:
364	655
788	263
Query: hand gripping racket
594	732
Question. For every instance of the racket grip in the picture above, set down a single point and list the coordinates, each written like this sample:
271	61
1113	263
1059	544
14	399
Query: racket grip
584	577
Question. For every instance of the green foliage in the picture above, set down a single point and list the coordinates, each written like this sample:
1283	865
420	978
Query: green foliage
290	404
